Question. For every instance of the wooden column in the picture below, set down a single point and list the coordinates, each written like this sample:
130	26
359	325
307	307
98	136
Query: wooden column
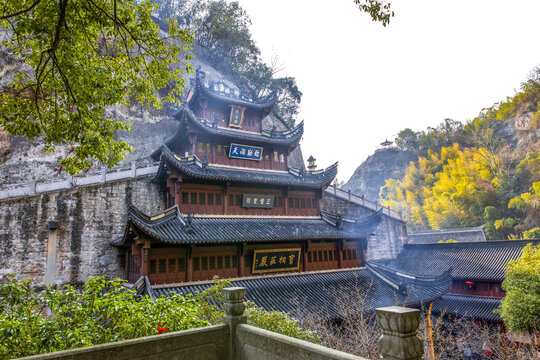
286	201
189	263
306	248
213	152
340	254
225	199
271	157
241	262
144	257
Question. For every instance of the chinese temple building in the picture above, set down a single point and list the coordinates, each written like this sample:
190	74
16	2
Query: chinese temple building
477	270
235	206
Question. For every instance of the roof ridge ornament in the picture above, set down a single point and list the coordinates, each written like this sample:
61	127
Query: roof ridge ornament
189	219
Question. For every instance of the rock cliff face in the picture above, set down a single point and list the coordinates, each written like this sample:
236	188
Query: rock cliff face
22	161
372	173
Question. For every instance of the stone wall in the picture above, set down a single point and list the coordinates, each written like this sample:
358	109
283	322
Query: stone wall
63	237
208	343
390	236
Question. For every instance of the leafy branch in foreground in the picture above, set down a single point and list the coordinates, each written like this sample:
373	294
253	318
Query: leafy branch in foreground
81	57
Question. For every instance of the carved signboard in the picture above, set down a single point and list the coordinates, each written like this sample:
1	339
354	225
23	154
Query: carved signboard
258	201
237	116
245	152
275	260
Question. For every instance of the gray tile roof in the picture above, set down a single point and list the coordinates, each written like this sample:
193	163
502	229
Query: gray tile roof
477	307
265	102
473	261
292	136
193	167
324	291
172	227
473	234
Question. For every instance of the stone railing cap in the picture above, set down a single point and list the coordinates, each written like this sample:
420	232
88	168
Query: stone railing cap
397	310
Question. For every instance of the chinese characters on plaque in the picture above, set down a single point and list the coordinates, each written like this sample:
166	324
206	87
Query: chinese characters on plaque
245	152
258	201
237	116
275	260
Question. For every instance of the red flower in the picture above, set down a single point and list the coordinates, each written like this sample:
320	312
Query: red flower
160	329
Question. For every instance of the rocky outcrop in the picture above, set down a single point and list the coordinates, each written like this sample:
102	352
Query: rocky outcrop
372	173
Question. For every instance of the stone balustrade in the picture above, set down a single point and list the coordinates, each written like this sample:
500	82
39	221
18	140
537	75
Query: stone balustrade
237	341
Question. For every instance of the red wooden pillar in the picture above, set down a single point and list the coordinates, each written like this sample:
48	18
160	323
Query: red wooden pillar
189	263
286	202
144	257
241	262
340	254
225	199
306	248
213	152
271	157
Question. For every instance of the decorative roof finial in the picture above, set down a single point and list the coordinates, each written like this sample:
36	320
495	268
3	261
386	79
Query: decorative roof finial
311	163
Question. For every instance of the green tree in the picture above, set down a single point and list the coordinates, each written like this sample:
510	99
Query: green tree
446	189
520	308
81	57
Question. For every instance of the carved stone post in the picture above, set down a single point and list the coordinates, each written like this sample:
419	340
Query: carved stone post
399	340
234	314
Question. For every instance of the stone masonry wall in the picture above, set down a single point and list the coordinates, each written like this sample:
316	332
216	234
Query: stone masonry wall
390	236
88	218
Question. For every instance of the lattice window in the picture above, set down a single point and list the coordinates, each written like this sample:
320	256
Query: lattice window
152	266
204	263
162	266
172	266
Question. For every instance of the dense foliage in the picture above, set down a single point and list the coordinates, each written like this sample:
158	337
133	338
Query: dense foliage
468	175
80	57
105	311
102	311
520	308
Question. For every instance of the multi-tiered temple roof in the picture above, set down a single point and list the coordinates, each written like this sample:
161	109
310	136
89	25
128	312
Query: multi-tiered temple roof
193	167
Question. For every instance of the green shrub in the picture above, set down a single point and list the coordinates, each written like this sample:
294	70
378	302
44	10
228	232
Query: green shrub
101	312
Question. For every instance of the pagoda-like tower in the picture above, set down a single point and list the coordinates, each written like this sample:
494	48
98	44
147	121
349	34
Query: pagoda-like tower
235	206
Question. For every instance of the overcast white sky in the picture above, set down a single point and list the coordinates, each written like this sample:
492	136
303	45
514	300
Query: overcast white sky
363	82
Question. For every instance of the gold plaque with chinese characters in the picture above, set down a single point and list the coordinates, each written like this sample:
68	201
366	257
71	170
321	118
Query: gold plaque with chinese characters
275	260
237	116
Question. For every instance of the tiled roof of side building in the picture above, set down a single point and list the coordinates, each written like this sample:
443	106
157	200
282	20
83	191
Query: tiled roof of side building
331	293
473	261
193	167
172	227
476	307
287	137
472	234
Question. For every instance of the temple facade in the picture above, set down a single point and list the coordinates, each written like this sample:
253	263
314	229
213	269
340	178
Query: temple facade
235	207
